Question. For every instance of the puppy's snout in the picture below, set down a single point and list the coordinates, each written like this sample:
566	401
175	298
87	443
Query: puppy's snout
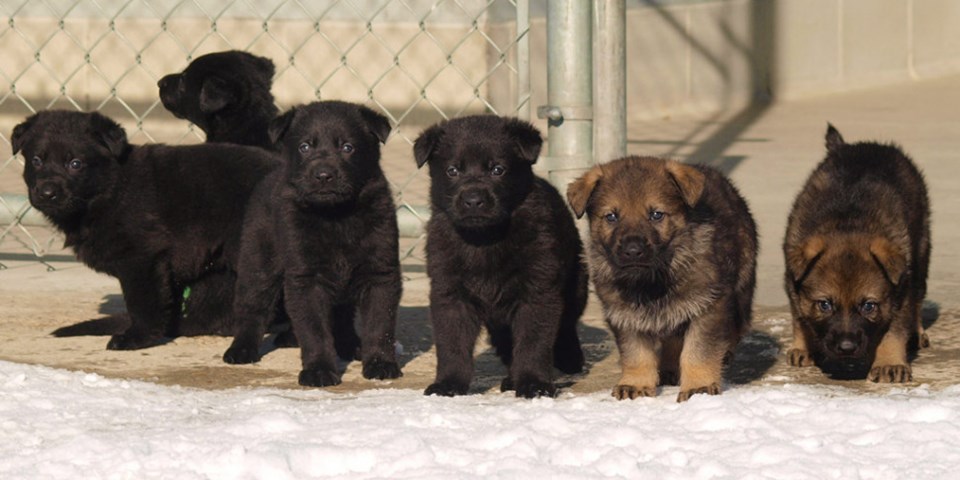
324	174
472	199
166	82
846	343
48	191
632	249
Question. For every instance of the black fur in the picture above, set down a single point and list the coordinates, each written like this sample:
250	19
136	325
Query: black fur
226	94
503	252
323	232
156	217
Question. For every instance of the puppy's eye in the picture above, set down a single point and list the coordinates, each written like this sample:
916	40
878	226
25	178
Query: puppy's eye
868	307
36	162
656	215
825	306
497	170
452	171
75	164
304	147
346	148
612	217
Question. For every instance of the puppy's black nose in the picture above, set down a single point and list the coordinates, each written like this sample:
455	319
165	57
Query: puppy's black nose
166	81
48	192
323	175
847	347
472	200
632	249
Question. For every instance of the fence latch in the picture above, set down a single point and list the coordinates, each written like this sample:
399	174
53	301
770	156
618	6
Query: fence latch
556	115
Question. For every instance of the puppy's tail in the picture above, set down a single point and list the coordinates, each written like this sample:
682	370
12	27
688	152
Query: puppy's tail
110	325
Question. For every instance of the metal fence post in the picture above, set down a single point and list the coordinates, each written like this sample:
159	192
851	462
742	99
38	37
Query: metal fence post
569	91
609	81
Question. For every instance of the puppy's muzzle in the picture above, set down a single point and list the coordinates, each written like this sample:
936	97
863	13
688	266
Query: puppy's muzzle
48	192
474	202
633	251
846	344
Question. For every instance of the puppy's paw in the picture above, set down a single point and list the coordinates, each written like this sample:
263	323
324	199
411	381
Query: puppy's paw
534	389
890	374
286	339
381	369
798	357
446	389
506	385
712	389
669	377
629	392
319	378
126	341
241	354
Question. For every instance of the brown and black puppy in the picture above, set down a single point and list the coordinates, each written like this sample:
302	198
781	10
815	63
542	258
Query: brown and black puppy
857	251
226	94
321	233
502	252
673	259
156	217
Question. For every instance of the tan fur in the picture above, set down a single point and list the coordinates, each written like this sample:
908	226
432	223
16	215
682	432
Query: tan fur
638	363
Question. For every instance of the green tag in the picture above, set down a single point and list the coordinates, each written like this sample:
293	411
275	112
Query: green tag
183	306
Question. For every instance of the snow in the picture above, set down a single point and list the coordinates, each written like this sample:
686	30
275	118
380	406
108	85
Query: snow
59	424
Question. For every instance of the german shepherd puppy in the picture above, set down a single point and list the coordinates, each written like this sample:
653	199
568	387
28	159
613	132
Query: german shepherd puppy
226	94
156	217
502	252
857	251
673	258
321	234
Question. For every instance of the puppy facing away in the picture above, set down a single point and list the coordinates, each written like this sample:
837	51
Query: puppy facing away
502	252
226	94
857	252
156	217
673	259
321	233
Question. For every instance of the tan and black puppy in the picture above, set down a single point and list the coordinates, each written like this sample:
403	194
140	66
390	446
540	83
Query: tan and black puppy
673	259
226	94
857	251
503	253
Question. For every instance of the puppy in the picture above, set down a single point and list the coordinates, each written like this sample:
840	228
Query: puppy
226	94
155	217
673	258
857	251
503	252
322	231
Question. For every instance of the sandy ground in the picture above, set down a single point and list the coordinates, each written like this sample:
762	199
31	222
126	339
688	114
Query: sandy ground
768	151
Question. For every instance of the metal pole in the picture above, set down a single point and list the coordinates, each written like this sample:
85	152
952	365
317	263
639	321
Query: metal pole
569	91
523	59
609	81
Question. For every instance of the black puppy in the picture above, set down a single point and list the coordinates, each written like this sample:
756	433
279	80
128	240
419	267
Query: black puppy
226	94
502	251
156	217
323	232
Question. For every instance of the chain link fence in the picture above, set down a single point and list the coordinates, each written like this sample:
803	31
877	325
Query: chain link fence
416	61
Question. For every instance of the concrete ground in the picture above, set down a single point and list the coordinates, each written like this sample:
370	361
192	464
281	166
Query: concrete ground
767	150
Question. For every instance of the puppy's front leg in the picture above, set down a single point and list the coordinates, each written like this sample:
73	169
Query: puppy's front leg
311	313
455	330
534	330
149	300
254	306
378	315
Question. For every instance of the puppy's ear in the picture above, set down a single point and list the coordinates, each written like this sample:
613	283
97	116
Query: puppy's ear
688	179
378	124
833	138
891	259
110	134
801	258
215	95
527	137
426	143
580	190
278	126
264	67
21	134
